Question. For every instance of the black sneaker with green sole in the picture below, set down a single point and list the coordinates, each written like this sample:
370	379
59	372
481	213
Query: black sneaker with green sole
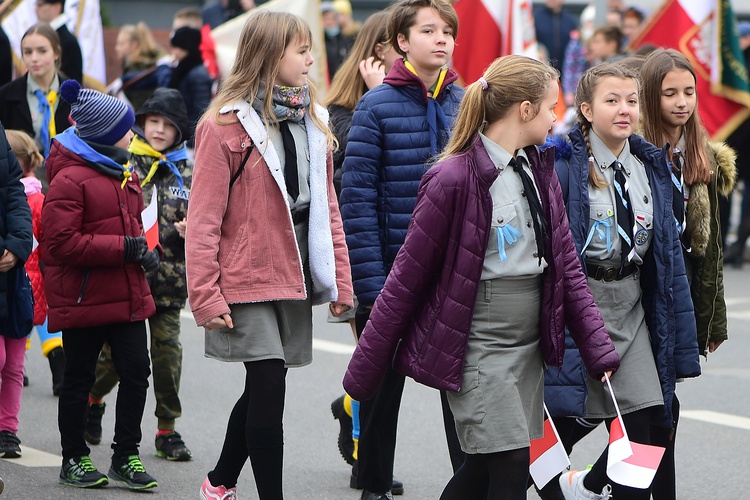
81	473
172	447
130	470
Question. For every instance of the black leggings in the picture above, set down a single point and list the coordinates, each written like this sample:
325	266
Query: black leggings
255	431
494	476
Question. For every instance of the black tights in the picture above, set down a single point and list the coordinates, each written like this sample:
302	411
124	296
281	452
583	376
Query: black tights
255	431
505	472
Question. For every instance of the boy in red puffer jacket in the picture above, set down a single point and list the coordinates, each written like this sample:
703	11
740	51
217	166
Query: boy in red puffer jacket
95	255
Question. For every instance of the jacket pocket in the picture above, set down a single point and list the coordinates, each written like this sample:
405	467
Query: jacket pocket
468	403
84	285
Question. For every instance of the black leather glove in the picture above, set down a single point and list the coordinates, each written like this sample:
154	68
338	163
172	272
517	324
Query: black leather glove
135	248
150	261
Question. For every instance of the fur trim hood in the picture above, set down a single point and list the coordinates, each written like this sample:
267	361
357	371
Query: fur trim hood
698	213
723	161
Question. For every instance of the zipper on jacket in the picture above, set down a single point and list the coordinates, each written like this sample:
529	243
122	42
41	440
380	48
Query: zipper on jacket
83	285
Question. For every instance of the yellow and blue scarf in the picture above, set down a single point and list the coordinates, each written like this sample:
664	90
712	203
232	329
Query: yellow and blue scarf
142	148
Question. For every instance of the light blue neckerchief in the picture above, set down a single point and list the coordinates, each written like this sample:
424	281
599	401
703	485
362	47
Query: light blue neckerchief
599	228
506	233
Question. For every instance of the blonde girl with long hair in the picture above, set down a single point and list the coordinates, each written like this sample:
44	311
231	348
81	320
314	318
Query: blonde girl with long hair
486	281
255	269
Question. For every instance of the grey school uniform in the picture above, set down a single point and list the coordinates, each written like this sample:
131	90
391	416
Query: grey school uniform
636	383
499	406
277	329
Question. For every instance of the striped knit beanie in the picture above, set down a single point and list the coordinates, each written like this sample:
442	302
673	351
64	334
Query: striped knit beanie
98	117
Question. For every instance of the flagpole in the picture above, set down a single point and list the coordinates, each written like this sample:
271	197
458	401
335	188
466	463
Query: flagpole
617	407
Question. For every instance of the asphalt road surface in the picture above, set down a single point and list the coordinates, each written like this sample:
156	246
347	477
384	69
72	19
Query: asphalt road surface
712	447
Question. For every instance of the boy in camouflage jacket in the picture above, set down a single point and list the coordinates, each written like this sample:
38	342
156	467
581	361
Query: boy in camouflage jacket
158	155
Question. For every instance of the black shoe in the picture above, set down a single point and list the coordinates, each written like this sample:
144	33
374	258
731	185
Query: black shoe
172	447
369	495
396	489
56	358
345	441
9	445
25	380
94	414
81	473
130	471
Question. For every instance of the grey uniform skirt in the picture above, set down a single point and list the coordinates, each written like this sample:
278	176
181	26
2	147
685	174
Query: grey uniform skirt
499	406
636	382
280	329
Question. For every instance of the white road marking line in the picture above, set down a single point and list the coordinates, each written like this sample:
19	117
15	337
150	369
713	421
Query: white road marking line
715	417
333	347
36	458
739	315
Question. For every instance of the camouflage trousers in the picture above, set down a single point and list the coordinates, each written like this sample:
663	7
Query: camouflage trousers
166	367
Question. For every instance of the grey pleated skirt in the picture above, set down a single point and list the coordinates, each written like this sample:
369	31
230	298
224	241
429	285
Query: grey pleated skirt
499	406
279	329
636	382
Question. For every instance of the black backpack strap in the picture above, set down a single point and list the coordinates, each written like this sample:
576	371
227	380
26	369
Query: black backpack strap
242	166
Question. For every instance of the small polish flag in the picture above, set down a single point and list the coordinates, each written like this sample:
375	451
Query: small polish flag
150	217
628	463
547	455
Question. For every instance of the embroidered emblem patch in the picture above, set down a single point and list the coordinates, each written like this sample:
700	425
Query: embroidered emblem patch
641	237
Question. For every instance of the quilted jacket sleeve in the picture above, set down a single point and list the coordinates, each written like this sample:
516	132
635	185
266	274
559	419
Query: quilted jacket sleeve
415	271
359	205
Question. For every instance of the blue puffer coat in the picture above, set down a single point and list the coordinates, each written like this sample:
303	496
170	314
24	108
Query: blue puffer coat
666	294
396	128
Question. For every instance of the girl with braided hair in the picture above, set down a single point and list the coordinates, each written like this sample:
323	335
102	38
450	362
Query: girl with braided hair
618	196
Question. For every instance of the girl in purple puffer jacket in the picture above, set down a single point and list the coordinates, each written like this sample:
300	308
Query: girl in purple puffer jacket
486	281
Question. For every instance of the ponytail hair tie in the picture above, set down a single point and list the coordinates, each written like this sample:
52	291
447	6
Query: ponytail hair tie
482	81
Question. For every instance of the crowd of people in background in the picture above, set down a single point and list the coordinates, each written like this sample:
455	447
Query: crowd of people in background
539	201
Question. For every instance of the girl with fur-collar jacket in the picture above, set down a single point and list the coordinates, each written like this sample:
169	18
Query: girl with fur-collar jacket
700	174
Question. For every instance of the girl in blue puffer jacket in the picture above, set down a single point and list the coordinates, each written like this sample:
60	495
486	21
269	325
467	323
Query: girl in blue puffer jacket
619	203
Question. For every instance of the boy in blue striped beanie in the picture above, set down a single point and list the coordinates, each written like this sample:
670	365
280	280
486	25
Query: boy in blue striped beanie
95	256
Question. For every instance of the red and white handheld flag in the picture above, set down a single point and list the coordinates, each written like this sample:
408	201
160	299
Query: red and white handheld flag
547	455
490	29
628	463
150	218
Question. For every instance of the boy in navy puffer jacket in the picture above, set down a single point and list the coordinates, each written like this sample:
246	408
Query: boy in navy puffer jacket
397	127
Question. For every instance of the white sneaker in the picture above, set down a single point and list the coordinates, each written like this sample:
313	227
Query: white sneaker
571	484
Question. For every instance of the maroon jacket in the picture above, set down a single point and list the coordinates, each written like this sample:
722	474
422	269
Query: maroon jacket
86	216
422	318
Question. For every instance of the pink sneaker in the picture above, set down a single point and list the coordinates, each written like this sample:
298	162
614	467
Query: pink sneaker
210	492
